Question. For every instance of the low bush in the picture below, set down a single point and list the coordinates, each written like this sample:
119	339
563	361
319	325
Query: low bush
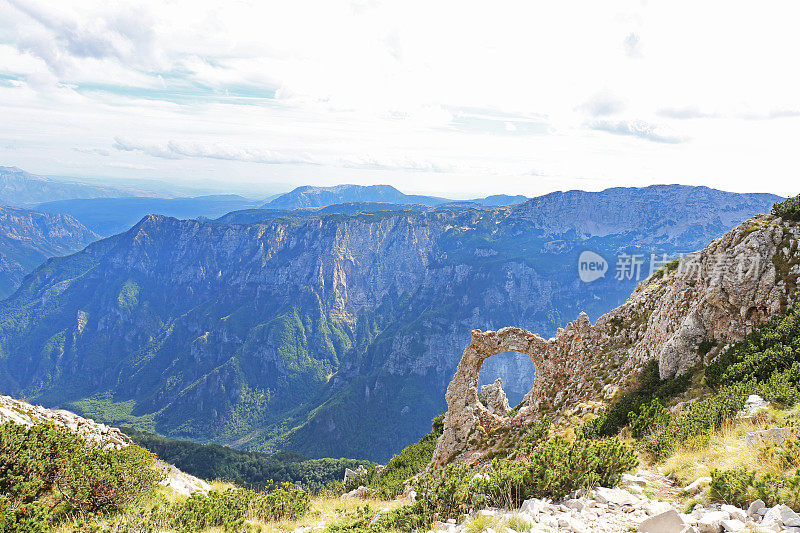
232	508
789	209
742	486
648	387
555	468
47	473
773	348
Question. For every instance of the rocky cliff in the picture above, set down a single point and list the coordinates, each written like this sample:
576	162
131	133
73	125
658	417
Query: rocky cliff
681	316
309	334
28	238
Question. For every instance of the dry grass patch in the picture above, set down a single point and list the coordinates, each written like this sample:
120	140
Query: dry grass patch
726	449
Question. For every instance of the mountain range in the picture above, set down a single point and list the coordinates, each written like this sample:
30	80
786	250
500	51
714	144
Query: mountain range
23	189
309	196
28	238
308	333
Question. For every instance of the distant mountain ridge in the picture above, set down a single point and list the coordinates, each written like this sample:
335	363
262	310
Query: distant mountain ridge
309	333
23	189
311	196
28	238
107	216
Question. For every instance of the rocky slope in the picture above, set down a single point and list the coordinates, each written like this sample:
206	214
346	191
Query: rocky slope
681	316
28	238
308	334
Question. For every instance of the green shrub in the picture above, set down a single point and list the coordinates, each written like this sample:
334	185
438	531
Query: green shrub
230	509
556	468
772	348
649	387
789	209
741	487
47	472
651	417
694	426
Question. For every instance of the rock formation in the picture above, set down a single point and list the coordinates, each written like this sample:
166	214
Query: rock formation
681	316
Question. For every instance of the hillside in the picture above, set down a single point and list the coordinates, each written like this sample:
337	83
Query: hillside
109	216
28	238
22	189
309	334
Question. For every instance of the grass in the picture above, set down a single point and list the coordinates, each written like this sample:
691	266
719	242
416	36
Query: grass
726	449
481	523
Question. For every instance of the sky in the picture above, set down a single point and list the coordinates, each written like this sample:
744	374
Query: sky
454	98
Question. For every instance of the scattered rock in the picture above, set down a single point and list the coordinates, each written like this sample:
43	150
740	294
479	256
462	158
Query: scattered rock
697	485
360	493
755	439
735	512
732	525
752	406
711	522
618	497
755	507
668	522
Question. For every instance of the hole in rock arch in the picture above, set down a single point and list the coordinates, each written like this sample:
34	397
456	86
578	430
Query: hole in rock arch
514	368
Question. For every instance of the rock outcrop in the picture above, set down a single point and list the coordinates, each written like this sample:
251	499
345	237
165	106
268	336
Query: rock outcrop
19	412
680	316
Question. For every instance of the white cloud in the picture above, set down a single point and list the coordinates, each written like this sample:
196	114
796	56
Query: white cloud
337	91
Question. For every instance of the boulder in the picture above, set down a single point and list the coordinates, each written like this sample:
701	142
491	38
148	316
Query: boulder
735	512
697	485
755	507
619	497
754	405
755	439
668	522
711	522
533	506
732	525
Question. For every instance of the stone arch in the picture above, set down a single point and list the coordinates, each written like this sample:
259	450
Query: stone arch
466	414
464	408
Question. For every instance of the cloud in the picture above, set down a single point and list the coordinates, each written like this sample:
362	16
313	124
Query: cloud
180	150
93	151
633	45
771	114
602	104
125	34
637	128
688	112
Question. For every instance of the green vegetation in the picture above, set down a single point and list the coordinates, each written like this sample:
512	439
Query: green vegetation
789	209
50	476
648	388
48	473
542	467
253	470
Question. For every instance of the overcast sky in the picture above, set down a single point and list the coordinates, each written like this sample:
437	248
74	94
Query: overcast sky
453	98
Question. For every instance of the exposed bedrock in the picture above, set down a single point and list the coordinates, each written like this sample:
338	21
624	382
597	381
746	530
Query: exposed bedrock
712	298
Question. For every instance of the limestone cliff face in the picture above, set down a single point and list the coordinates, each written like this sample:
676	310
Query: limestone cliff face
716	295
